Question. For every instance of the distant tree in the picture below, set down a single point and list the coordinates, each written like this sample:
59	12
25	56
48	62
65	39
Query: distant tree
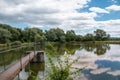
79	38
30	34
89	37
55	35
62	38
5	36
60	34
101	35
70	35
15	34
50	35
20	38
11	34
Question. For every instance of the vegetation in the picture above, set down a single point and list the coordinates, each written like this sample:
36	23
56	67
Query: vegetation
55	35
16	43
101	35
60	69
10	34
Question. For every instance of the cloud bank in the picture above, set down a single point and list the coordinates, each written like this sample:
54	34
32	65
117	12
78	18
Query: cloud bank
58	13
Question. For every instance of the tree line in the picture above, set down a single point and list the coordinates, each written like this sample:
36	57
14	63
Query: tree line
10	34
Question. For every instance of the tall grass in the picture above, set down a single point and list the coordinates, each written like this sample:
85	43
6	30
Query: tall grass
61	68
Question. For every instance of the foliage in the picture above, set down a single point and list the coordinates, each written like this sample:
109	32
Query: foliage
88	37
61	69
79	38
70	35
101	35
5	36
55	35
31	33
16	43
98	47
10	34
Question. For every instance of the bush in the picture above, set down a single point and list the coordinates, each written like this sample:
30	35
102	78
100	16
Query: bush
61	69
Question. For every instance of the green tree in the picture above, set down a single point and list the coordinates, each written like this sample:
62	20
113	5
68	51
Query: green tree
101	35
29	34
5	35
60	35
55	35
15	34
50	35
70	35
79	38
89	37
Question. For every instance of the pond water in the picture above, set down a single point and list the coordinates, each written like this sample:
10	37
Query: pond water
101	61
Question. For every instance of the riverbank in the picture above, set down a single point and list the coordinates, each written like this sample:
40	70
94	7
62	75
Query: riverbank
9	45
108	42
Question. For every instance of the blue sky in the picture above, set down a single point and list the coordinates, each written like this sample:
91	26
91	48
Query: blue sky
103	4
82	16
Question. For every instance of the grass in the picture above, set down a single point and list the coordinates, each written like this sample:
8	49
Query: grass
61	68
108	42
3	45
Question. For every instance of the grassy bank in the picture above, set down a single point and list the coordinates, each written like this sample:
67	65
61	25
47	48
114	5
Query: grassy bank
108	42
3	45
10	45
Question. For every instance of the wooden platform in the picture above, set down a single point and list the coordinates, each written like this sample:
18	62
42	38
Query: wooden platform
12	71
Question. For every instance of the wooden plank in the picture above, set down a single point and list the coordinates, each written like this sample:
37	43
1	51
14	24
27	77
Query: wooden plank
12	71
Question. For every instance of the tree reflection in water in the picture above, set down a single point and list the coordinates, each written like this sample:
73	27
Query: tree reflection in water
97	48
62	48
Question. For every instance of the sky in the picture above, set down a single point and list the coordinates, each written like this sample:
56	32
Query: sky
82	16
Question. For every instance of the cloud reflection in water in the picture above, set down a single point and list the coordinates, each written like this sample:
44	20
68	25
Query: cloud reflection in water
99	67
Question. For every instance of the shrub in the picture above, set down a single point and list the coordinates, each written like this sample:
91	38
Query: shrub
61	68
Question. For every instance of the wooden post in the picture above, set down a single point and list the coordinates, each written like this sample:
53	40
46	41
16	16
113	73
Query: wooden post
39	57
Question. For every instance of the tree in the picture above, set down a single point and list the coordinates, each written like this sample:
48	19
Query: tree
50	35
30	34
55	35
89	37
79	38
5	36
15	34
101	35
60	35
70	35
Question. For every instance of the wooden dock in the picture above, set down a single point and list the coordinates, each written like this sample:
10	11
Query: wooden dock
13	71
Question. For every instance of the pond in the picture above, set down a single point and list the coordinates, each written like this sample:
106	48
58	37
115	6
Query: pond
101	61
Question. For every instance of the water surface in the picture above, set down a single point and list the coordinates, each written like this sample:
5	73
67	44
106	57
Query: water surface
101	61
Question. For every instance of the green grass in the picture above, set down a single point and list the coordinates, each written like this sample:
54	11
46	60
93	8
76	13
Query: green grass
3	45
61	68
108	42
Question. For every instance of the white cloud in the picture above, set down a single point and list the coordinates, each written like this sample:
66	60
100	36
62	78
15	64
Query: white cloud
40	10
88	60
110	26
55	13
114	73
99	71
98	10
113	8
16	6
113	1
